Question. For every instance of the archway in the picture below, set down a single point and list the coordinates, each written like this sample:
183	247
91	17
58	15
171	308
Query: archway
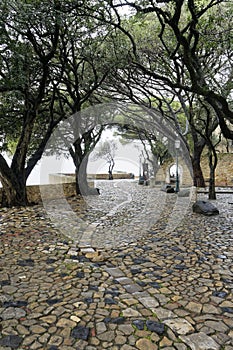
172	173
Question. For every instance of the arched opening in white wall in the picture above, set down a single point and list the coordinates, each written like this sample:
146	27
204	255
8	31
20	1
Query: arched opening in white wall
171	174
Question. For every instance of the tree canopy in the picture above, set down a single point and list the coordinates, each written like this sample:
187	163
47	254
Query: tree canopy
58	57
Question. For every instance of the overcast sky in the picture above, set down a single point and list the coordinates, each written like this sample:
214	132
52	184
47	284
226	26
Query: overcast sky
127	160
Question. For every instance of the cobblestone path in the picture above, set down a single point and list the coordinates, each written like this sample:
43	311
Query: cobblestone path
125	281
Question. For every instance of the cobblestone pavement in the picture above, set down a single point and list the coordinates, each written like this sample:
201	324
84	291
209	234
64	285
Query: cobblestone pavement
126	281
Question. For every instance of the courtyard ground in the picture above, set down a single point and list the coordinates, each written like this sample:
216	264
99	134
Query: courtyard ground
133	268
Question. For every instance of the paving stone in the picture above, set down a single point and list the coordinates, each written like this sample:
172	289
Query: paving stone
80	332
120	340
132	288
36	345
64	322
75	318
210	309
194	307
11	341
165	342
12	313
126	329
216	325
179	326
133	279
200	341
115	272
8	289
127	347
149	302
156	327
179	346
55	340
101	327
107	336
22	330
129	312
145	344
36	329
227	303
140	324
164	314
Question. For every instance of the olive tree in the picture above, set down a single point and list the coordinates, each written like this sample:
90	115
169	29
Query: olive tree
29	39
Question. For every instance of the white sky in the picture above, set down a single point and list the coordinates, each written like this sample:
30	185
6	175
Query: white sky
127	160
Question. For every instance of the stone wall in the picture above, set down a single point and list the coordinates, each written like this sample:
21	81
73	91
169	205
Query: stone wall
48	191
163	174
117	176
60	178
224	170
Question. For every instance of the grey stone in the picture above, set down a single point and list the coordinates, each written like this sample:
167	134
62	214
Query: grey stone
205	208
179	325
217	325
11	312
129	312
8	289
156	327
80	332
114	271
164	314
200	341
26	262
13	341
133	288
139	324
101	327
180	346
149	302
227	309
220	294
110	301
107	336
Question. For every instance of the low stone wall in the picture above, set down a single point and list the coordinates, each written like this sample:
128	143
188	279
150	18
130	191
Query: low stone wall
60	178
52	191
119	176
36	192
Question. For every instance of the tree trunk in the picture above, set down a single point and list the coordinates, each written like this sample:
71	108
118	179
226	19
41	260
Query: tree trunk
221	107
198	178
13	185
110	176
110	169
82	187
81	160
212	165
80	152
14	192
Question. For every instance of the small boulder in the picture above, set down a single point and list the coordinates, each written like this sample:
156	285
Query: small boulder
168	189
205	208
